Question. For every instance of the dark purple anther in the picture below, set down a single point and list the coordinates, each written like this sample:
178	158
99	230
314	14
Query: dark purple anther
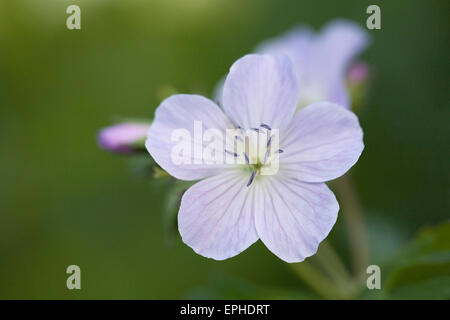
246	158
252	177
234	154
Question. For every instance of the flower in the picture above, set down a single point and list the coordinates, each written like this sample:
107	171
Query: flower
321	60
290	209
122	137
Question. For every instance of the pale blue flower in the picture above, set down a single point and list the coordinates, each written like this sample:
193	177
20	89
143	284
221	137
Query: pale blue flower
321	59
233	206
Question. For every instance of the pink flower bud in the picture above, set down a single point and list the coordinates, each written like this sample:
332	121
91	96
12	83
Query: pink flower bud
122	137
358	73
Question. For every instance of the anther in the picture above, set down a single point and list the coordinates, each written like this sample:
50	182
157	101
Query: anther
279	151
234	154
252	177
268	142
246	158
265	126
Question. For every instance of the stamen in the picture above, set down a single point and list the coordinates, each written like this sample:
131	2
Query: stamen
269	141
252	177
246	158
255	129
279	151
234	154
265	126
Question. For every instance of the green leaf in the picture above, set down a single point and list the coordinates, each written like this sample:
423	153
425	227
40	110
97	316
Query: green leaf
422	270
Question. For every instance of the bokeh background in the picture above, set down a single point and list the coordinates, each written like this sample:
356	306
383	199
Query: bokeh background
64	201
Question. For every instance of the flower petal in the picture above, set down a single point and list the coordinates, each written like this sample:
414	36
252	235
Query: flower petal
261	89
338	44
179	113
293	217
337	92
297	44
216	216
335	47
321	59
322	143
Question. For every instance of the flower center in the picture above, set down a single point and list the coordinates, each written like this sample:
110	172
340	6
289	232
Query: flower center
258	147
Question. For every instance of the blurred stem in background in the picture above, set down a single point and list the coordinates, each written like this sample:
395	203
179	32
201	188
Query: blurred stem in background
324	272
354	219
309	274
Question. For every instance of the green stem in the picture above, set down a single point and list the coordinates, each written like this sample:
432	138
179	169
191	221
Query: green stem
314	279
354	218
335	282
326	274
332	264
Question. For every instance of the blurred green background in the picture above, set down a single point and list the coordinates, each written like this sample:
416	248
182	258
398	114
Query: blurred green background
64	201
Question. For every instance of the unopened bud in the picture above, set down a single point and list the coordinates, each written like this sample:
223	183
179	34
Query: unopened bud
123	137
358	73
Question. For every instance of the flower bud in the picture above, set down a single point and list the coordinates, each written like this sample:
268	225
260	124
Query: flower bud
358	73
123	137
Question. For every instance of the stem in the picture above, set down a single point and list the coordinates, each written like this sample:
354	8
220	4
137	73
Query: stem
313	278
354	218
337	283
332	264
334	282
